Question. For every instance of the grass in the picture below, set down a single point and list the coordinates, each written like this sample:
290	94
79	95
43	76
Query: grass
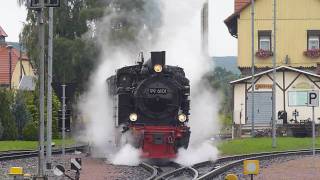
255	145
29	145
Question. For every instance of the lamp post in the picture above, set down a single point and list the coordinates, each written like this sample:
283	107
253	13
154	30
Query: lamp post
9	47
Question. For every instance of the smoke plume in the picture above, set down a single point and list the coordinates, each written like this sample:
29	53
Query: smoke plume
167	25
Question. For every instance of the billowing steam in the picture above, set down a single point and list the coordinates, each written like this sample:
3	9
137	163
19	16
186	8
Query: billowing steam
176	30
180	36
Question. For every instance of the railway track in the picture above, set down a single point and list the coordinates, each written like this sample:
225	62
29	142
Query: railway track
213	169
10	155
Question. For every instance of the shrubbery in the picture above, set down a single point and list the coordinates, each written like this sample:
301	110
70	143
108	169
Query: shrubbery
19	115
7	119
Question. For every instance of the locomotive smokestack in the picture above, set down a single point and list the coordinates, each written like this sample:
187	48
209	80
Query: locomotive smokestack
158	58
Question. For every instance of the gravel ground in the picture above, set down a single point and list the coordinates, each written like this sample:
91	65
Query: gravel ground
302	168
102	170
99	169
30	165
283	168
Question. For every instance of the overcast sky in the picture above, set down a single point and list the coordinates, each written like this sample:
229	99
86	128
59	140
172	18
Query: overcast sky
221	43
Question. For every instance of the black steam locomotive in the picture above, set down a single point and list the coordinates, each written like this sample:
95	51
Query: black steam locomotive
152	102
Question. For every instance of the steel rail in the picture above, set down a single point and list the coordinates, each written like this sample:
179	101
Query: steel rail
237	160
237	157
178	171
153	171
33	153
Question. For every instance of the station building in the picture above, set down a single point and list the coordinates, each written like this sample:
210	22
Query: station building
297	59
16	70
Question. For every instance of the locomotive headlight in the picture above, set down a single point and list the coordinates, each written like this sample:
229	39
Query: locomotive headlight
182	117
157	68
133	117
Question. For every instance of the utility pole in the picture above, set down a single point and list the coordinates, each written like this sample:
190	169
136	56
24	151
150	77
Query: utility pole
49	91
274	143
10	64
20	56
41	74
252	68
63	118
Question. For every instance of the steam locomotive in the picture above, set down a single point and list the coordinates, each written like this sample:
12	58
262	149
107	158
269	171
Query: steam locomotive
151	102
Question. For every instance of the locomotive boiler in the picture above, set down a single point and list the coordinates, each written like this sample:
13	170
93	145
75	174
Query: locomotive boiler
151	103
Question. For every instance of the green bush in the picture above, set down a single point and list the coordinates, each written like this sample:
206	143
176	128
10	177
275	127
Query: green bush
7	119
1	130
30	131
20	111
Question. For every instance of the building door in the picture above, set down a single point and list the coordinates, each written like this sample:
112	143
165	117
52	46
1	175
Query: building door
262	107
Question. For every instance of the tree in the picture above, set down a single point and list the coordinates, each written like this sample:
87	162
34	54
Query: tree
6	116
219	80
20	111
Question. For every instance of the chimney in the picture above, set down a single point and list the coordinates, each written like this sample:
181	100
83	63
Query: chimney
239	4
3	36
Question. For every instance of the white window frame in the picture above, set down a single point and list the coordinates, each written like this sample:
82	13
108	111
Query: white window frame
313	38
265	39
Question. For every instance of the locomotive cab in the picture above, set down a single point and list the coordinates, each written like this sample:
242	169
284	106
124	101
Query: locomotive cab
151	101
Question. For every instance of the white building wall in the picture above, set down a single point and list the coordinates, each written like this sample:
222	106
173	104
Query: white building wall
300	84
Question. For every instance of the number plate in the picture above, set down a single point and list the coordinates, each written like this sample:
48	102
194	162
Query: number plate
158	91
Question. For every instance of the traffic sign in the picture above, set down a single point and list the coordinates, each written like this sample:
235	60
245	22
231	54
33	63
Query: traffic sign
313	99
76	164
250	167
58	170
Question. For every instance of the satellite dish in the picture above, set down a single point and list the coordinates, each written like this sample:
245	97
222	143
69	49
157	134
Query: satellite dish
58	170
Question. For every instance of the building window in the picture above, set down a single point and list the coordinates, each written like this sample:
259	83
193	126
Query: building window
313	39
298	98
264	40
2	39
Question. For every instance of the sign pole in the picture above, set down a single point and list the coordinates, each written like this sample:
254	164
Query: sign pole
313	134
313	101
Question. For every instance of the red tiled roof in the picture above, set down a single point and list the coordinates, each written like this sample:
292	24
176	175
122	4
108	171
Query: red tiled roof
4	63
239	4
2	33
231	20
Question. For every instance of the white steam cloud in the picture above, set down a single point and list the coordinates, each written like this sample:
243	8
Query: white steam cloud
180	37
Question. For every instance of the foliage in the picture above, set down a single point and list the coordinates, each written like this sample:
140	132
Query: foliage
74	56
20	112
219	80
6	117
30	130
255	145
55	108
1	130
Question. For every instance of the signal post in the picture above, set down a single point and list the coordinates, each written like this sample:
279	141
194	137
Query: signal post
39	5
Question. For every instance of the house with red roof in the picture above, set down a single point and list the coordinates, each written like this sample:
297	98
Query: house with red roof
296	57
16	70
